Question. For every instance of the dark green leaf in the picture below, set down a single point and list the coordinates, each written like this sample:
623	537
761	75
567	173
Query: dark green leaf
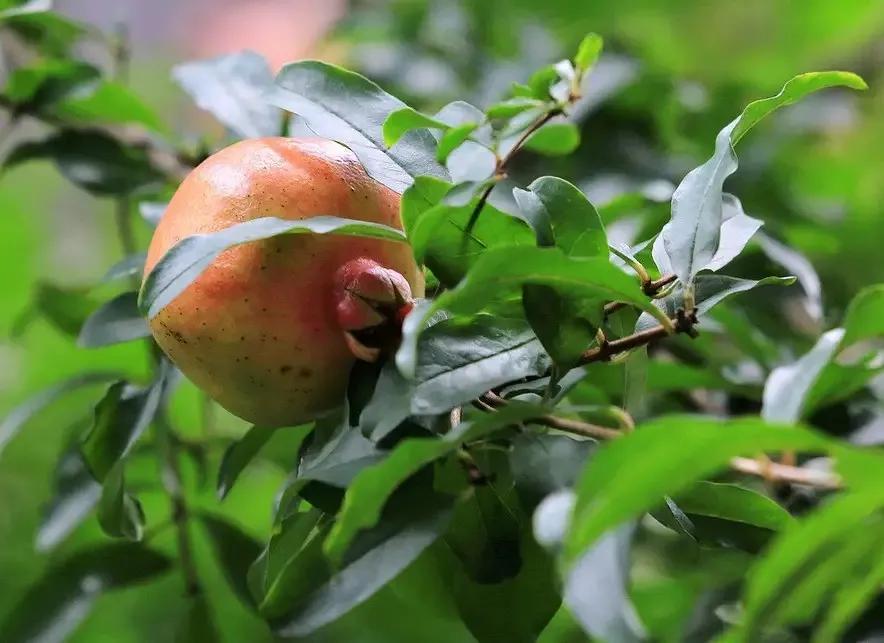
92	159
106	102
238	455
663	457
116	321
49	31
188	258
235	551
735	503
787	386
389	405
233	88
403	540
554	139
336	454
404	120
53	607
17	417
75	495
370	489
348	108
119	513
561	215
864	318
544	463
564	325
120	419
588	52
130	266
499	272
692	237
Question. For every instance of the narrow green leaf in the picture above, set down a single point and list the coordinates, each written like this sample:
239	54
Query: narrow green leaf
348	108
864	318
849	603
735	503
588	52
512	107
235	551
114	322
119	513
238	455
233	88
452	139
25	8
630	475
130	266
75	494
120	418
188	258
19	416
52	608
403	120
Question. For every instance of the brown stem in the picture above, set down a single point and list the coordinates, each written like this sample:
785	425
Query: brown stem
650	288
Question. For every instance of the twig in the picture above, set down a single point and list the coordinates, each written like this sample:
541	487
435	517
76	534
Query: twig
683	323
650	288
777	472
500	169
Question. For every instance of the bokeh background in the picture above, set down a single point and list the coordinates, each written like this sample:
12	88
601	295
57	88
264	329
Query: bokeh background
674	73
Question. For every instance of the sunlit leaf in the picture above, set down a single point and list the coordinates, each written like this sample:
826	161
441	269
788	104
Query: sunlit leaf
554	139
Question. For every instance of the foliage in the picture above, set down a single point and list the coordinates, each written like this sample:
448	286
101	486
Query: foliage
589	430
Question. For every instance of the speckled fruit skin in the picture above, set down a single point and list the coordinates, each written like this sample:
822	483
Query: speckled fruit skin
258	330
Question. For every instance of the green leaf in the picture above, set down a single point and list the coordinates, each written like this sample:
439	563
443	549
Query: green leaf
75	494
864	318
692	236
114	322
234	89
92	159
802	548
458	360
632	474
42	83
564	325
121	417
52	608
545	463
336	454
787	387
373	486
130	266
119	513
235	551
452	139
19	416
152	212
397	544
240	453
403	120
188	258
350	109
502	271
513	107
106	102
561	215
65	308
800	266
554	139
735	503
425	193
588	52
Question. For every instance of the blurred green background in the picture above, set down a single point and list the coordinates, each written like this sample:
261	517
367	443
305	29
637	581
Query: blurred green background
676	71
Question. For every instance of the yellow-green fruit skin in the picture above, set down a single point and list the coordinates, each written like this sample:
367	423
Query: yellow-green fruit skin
257	330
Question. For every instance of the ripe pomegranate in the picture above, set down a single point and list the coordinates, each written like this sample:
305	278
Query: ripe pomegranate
271	329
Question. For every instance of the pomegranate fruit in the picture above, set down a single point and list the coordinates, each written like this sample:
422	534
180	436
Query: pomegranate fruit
271	329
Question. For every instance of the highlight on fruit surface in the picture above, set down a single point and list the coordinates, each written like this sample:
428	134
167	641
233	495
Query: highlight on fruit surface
271	328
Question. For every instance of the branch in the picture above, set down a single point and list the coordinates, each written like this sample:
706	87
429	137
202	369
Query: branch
683	323
650	288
